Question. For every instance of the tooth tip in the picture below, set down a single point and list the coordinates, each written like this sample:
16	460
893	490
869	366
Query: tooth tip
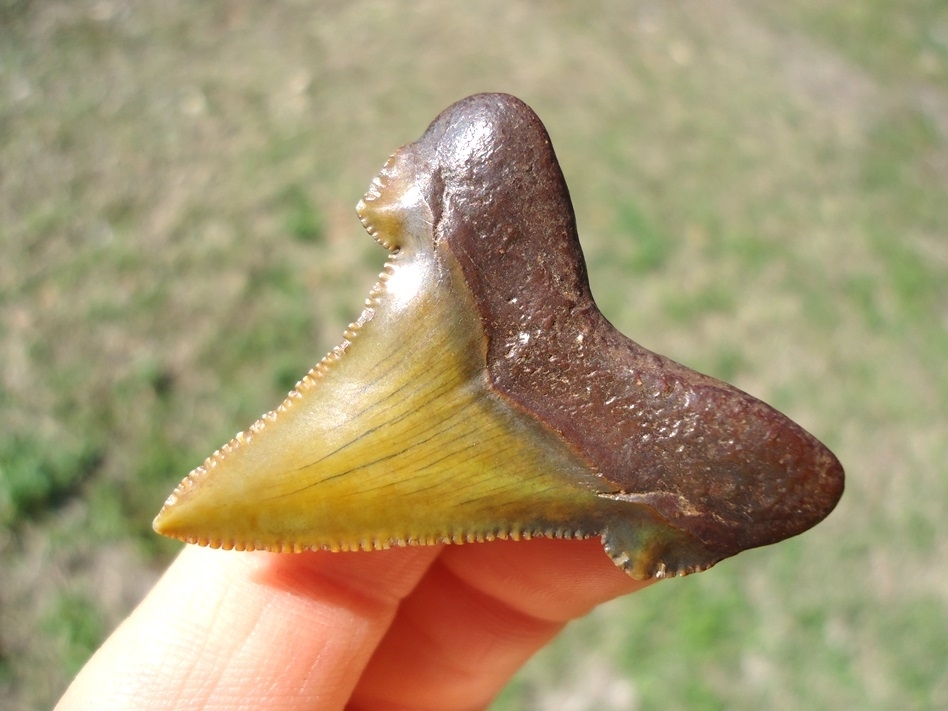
164	524
178	517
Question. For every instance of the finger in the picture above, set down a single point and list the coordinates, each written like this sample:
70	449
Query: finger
251	630
480	612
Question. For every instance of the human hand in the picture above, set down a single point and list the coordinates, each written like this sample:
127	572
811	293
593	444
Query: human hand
439	627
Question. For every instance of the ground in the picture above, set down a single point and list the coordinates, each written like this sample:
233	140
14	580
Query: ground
760	189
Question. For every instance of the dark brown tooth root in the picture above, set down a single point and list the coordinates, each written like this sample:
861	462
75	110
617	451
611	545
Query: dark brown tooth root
711	460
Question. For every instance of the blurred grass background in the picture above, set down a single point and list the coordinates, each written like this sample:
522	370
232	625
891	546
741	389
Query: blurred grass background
762	193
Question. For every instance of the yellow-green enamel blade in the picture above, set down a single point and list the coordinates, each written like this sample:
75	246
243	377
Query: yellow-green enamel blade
394	437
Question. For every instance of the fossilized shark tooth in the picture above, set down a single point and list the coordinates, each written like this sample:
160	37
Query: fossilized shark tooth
481	394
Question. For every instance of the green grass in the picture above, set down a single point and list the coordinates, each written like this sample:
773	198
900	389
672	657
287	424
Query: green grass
77	624
760	189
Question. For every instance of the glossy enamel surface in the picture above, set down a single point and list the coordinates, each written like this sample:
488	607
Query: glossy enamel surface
481	393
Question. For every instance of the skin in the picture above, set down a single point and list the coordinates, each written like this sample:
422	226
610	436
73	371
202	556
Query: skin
446	631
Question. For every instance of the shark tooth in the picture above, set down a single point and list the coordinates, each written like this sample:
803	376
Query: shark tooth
481	394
